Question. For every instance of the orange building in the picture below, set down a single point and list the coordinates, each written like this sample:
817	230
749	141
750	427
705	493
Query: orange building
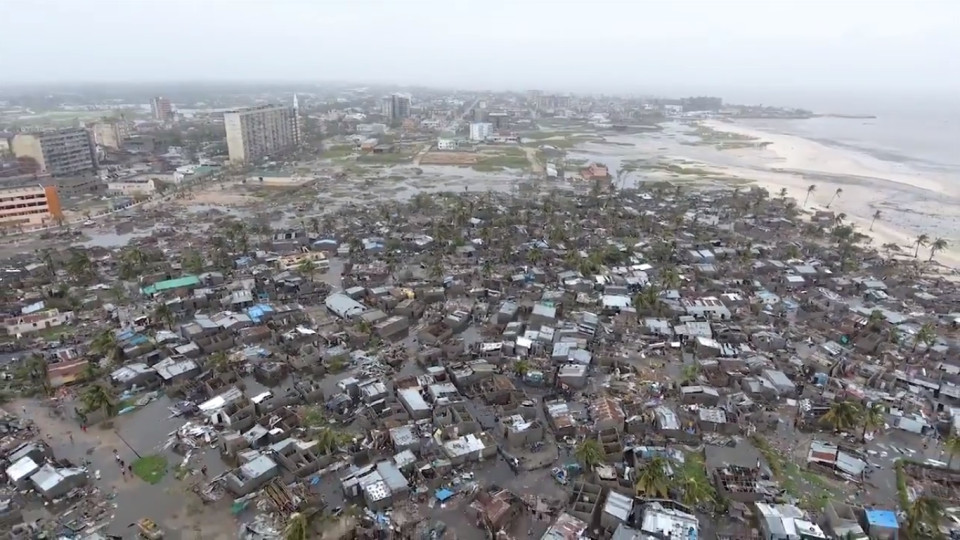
29	206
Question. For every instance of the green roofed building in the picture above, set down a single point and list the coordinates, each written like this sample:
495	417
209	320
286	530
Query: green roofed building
170	284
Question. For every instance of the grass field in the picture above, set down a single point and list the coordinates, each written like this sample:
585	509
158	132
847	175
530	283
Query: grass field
151	469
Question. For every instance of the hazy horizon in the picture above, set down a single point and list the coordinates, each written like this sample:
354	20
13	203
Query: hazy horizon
896	47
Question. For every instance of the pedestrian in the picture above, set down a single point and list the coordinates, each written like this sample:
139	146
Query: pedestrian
130	470
83	427
203	471
122	465
70	433
24	410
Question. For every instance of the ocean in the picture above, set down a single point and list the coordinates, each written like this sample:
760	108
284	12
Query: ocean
922	133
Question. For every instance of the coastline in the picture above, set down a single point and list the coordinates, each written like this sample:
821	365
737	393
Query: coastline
910	202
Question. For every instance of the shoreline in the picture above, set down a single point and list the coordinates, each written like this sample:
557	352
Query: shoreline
910	202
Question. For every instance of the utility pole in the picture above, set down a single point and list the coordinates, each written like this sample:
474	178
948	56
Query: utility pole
132	449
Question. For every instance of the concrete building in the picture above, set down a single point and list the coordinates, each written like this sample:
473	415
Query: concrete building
59	152
29	206
396	107
479	131
111	133
262	131
162	109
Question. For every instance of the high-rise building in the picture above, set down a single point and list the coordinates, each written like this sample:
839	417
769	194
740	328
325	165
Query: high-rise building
111	133
58	152
162	109
29	206
396	107
479	131
262	131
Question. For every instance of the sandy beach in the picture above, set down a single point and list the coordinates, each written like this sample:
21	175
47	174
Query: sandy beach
911	202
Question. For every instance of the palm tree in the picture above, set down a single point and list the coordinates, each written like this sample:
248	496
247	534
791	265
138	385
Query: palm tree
106	345
937	245
924	516
876	319
308	268
79	264
163	314
876	216
670	278
810	189
695	489
952	446
926	335
534	255
652	480
98	397
647	300
37	368
921	240
521	367
835	195
298	527
330	440
839	219
589	453
192	261
689	373
873	418
219	362
842	416
783	194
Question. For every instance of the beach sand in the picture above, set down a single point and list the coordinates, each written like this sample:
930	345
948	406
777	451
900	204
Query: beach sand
911	202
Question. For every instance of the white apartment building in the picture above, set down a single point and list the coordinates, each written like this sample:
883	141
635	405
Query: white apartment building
447	144
111	134
58	152
258	132
30	206
479	131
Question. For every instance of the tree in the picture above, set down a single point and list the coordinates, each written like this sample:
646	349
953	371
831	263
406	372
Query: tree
299	527
783	194
695	489
923	517
521	367
652	480
163	314
839	219
79	265
37	369
330	440
876	216
308	268
647	300
105	344
689	373
670	278
835	195
876	319
842	416
874	417
926	335
952	446
219	362
937	245
589	453
810	189
191	261
534	255
98	397
921	240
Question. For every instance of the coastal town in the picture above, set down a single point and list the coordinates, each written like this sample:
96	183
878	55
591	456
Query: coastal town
370	313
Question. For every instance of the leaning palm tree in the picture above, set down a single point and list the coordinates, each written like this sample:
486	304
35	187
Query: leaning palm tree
521	367
924	516
694	489
920	241
330	440
163	314
835	195
105	344
98	397
653	480
842	416
669	278
873	418
589	453
952	446
810	189
926	335
937	245
839	219
876	216
783	194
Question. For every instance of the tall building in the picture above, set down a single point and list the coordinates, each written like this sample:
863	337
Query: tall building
479	131
58	152
395	107
111	133
262	131
162	109
30	206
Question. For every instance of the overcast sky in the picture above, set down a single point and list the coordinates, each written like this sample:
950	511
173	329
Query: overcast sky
589	45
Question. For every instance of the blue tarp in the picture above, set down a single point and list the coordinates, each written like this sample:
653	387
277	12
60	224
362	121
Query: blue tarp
444	494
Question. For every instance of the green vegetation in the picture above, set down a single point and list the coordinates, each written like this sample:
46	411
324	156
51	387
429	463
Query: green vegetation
339	151
812	490
589	453
151	469
385	158
505	158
